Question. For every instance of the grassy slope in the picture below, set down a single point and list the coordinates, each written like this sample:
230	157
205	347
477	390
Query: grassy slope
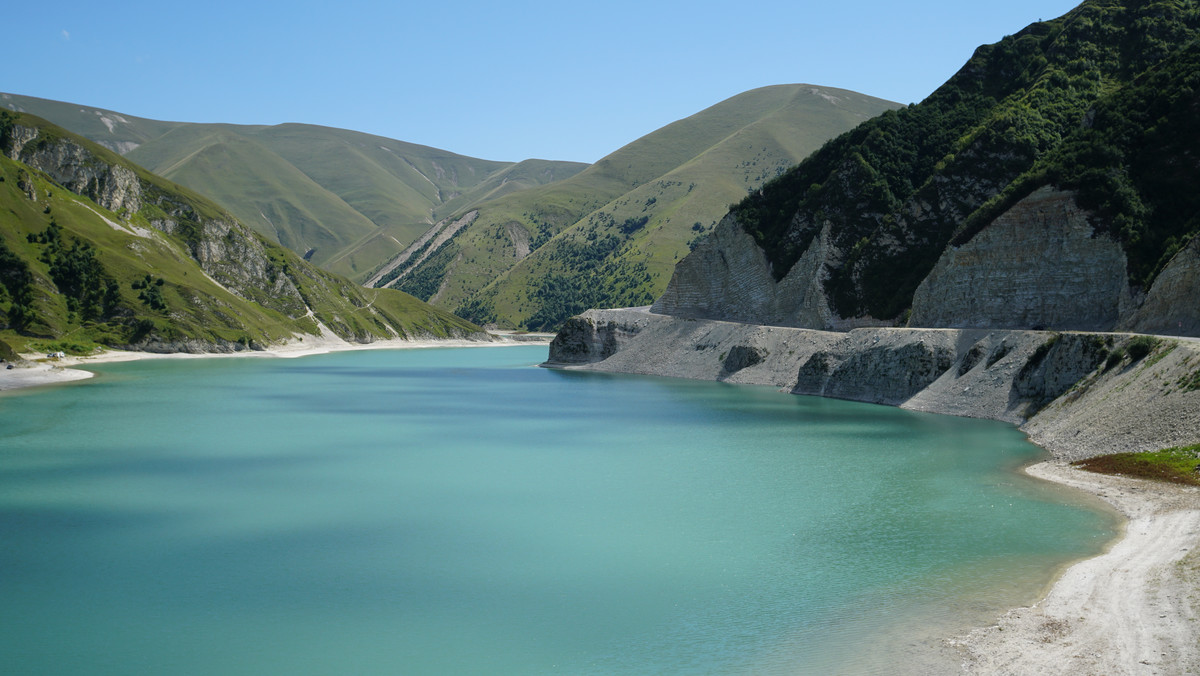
1179	465
683	174
356	198
197	307
272	196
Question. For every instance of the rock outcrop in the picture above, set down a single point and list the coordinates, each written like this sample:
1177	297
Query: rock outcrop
1039	265
729	277
1172	307
1076	393
113	186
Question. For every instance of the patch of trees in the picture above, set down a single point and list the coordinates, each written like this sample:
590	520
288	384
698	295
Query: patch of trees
16	283
149	291
90	292
593	274
427	279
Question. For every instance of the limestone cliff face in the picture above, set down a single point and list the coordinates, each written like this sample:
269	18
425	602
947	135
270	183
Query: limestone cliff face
112	186
1039	265
728	277
1172	306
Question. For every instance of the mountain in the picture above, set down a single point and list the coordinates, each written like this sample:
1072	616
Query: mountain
95	250
1048	184
611	233
346	200
999	250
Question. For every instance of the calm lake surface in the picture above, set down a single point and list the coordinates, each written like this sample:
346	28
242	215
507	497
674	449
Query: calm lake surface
458	511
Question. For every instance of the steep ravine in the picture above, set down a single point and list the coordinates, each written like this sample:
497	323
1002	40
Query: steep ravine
1077	394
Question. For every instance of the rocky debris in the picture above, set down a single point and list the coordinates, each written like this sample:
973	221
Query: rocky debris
1076	394
742	356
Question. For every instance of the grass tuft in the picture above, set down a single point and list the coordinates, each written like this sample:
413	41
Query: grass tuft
1179	465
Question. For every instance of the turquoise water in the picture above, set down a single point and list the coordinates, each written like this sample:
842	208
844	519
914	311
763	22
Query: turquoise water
461	512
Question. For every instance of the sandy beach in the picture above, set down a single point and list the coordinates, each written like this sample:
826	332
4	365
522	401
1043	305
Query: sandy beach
1135	609
39	370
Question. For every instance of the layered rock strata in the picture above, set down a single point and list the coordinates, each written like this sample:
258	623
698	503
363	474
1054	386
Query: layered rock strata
1076	394
1039	265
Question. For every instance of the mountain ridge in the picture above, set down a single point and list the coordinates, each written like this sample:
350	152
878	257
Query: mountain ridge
98	251
596	238
846	237
350	229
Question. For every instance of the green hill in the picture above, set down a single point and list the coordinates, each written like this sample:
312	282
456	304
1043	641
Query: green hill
1100	101
610	235
346	200
95	250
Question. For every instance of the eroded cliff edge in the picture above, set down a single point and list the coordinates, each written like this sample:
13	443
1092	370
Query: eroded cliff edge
1077	394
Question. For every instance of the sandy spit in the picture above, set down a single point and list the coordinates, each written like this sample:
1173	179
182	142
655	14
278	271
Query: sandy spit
39	370
1133	610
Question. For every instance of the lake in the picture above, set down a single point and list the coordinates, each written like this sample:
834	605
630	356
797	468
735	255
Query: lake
461	511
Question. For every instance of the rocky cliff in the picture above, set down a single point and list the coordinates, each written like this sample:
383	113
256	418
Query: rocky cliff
1076	393
1040	264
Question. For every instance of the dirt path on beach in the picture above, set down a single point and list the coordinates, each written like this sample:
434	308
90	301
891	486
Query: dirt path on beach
1133	610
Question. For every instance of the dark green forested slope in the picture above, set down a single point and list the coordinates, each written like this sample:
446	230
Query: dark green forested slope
1101	99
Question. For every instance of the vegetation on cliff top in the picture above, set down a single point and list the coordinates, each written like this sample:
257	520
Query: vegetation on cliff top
899	188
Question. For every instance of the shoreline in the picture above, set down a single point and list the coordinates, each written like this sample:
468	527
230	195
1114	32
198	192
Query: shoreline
1133	609
39	371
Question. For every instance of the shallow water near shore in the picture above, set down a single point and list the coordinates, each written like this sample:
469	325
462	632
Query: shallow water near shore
461	511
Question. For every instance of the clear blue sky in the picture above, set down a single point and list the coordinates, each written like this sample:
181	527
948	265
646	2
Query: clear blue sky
498	80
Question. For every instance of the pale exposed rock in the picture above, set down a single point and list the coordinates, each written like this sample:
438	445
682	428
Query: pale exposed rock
1172	307
72	166
728	277
1060	388
1039	265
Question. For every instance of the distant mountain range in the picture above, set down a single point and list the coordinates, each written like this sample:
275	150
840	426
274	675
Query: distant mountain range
611	234
520	245
345	200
